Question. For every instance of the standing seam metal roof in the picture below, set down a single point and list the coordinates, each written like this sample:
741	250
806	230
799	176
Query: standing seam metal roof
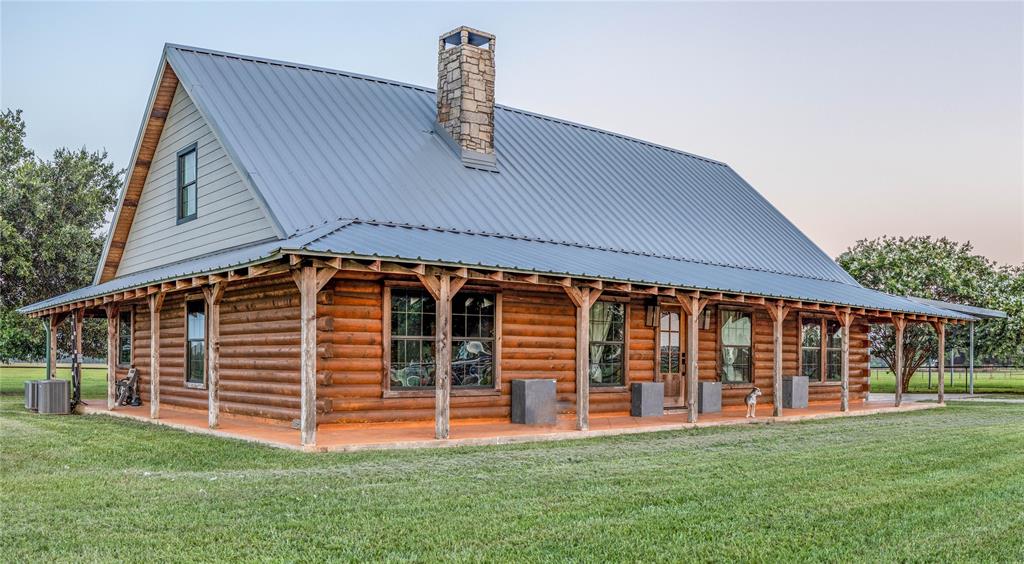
320	145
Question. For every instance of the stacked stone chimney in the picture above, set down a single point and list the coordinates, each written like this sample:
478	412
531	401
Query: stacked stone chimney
465	89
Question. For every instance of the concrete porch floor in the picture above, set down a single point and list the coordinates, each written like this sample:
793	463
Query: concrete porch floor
474	432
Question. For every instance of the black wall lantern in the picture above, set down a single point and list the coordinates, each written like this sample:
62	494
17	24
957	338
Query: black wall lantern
651	312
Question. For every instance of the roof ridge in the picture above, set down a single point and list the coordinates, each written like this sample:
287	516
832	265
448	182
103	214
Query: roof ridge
427	90
576	245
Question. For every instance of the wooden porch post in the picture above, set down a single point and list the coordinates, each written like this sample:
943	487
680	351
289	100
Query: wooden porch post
310	280
900	323
778	313
583	298
156	303
442	287
54	322
76	355
845	320
213	295
693	305
940	330
112	320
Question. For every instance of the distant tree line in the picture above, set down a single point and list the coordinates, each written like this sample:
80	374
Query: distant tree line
944	270
52	218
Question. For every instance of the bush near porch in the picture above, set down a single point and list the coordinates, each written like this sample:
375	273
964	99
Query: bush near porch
934	485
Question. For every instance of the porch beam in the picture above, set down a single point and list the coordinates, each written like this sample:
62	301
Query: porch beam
112	320
156	303
900	324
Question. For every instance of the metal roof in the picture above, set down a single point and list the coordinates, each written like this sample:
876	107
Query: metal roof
320	145
445	247
978	312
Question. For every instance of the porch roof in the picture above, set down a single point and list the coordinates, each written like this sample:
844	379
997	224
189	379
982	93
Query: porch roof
358	239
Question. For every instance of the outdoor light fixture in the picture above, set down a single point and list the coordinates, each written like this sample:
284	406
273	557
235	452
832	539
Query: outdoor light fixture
651	312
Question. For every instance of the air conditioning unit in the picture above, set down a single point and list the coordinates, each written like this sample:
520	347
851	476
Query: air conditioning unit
54	397
32	395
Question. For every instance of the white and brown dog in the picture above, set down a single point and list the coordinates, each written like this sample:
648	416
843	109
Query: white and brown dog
752	402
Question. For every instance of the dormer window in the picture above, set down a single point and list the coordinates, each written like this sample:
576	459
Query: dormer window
187	197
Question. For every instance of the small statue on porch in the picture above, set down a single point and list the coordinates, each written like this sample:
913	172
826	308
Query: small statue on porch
752	402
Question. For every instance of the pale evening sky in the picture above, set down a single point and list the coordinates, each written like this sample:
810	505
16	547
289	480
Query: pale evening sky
854	119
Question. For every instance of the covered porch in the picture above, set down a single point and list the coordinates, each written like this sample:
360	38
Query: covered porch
481	432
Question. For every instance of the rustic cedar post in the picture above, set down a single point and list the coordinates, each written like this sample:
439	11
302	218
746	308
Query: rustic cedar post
693	305
442	288
845	319
54	322
112	320
900	323
583	298
310	280
76	358
778	312
213	295
940	330
156	303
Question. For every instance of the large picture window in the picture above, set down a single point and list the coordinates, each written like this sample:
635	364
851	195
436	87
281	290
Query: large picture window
735	338
195	343
607	344
188	168
124	338
413	318
821	349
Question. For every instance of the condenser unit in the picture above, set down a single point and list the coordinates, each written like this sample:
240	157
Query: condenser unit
54	396
32	395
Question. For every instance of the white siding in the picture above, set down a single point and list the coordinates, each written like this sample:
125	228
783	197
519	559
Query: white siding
227	213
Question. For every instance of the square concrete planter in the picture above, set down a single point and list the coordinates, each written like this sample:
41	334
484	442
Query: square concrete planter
647	399
794	392
709	397
534	402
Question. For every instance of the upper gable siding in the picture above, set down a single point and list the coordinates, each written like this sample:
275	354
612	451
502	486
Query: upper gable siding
228	215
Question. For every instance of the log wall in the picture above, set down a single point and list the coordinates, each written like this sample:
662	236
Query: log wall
260	353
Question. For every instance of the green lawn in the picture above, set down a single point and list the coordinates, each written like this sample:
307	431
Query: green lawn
1003	382
938	485
12	379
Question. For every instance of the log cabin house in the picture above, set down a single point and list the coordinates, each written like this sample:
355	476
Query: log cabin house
321	248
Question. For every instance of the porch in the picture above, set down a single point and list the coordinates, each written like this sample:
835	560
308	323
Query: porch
479	432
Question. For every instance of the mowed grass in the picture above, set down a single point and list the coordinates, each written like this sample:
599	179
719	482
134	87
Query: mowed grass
997	382
12	379
936	485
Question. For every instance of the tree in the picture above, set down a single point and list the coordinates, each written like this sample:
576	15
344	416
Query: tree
52	213
943	270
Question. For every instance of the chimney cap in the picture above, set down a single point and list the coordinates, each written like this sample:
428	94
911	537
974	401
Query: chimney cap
473	37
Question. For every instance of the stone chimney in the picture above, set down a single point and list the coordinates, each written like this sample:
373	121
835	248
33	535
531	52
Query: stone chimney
465	92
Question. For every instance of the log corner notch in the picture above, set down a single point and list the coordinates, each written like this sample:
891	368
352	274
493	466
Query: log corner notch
845	316
693	305
442	287
213	294
778	312
310	280
583	297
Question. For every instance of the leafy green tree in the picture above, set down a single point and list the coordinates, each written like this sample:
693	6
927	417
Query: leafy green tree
946	270
52	214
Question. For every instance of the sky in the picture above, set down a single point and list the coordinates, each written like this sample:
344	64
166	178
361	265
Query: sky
854	119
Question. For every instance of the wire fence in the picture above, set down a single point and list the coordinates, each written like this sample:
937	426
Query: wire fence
987	378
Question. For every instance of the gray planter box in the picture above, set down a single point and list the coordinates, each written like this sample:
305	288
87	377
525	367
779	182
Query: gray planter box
534	402
709	397
647	399
794	392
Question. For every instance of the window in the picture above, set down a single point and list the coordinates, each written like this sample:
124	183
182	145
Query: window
413	334
669	351
412	339
187	197
195	343
821	359
736	346
607	344
124	338
473	340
